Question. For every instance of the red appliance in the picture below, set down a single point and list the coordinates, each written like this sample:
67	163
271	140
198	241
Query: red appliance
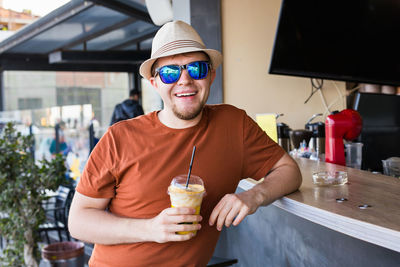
346	124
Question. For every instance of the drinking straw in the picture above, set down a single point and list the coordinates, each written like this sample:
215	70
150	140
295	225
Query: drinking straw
190	167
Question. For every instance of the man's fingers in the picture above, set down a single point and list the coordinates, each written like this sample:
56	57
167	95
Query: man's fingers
173	229
231	215
222	214
215	212
220	211
176	237
176	211
179	215
230	210
239	218
185	227
185	218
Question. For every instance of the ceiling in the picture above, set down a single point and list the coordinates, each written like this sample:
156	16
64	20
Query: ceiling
96	35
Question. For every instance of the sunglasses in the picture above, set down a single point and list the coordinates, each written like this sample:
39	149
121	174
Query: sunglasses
171	73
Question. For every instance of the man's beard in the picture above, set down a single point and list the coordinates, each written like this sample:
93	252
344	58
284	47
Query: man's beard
188	114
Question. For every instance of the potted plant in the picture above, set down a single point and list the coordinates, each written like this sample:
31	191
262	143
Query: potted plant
22	190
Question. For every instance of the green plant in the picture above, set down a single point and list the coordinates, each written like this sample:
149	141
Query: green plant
22	191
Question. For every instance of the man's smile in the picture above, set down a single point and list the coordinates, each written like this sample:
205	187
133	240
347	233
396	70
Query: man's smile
185	94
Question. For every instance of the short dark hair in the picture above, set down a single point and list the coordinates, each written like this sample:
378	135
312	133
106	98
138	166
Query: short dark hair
134	92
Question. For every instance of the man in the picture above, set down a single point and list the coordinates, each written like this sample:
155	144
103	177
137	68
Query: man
121	203
128	109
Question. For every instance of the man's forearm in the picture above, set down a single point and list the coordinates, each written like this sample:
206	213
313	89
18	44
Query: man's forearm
101	227
282	180
89	221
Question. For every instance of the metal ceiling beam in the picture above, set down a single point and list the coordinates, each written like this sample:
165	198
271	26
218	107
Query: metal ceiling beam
99	57
96	34
43	24
34	62
133	10
145	35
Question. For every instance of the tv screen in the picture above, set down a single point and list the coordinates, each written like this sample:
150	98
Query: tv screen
347	40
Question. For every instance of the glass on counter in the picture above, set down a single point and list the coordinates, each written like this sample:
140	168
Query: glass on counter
326	178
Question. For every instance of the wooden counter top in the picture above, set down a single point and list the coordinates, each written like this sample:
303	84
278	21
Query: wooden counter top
378	224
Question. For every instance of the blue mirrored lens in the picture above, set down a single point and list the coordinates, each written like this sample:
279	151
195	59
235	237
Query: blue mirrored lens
198	70
170	74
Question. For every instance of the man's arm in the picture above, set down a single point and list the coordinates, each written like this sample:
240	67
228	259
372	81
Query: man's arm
89	221
284	178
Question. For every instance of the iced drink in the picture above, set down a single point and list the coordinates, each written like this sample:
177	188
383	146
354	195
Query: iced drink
190	197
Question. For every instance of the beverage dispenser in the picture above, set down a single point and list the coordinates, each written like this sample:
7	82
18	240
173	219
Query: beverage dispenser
283	136
346	124
318	133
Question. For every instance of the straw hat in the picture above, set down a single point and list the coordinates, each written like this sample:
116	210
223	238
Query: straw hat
174	38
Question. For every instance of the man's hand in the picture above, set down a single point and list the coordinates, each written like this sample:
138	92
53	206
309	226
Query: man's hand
164	226
284	178
233	208
89	221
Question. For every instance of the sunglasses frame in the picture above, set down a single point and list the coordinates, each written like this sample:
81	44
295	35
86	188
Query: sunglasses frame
183	67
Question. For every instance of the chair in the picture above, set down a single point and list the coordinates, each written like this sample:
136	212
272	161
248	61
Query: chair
57	209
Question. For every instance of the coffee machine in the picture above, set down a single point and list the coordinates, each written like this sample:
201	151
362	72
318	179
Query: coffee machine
283	134
346	124
318	133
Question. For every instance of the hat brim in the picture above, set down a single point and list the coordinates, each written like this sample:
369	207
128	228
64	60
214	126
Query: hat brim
215	58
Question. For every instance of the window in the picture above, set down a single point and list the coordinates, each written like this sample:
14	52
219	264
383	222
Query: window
29	103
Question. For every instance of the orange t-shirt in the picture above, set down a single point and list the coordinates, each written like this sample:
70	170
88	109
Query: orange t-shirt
135	160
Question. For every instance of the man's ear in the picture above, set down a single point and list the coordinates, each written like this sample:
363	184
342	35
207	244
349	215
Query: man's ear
153	82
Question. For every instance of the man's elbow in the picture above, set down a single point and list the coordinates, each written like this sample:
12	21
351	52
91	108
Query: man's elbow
76	221
73	225
297	177
299	180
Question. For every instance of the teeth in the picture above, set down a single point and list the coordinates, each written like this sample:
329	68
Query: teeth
185	94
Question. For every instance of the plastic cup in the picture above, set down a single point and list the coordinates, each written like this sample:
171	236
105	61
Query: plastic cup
354	155
190	197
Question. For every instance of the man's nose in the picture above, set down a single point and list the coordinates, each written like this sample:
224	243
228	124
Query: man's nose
185	77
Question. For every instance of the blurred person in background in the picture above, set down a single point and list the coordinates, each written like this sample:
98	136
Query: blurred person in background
63	146
129	108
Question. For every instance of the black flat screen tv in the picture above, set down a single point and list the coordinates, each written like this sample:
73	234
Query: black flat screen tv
346	40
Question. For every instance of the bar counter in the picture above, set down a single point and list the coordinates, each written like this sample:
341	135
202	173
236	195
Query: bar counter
322	225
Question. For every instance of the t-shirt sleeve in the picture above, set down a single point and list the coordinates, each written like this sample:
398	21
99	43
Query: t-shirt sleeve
98	179
260	152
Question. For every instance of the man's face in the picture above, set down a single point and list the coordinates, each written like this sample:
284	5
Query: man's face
185	98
